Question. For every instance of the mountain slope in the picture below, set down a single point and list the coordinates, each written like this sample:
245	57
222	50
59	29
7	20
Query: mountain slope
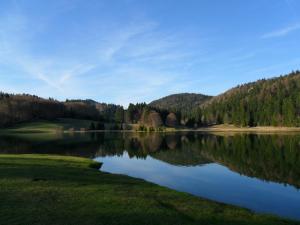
179	102
265	102
16	108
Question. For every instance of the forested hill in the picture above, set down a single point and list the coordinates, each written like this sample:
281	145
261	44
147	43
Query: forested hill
180	102
15	108
265	102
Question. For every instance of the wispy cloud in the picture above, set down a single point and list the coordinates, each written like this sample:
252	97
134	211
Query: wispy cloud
127	63
76	71
282	32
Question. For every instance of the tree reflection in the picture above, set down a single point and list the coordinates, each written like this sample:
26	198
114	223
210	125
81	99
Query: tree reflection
269	157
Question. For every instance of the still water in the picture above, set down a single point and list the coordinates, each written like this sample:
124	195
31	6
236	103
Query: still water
259	172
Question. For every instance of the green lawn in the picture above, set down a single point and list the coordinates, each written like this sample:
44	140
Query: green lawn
43	189
49	126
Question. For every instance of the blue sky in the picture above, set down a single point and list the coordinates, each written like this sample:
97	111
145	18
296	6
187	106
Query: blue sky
134	51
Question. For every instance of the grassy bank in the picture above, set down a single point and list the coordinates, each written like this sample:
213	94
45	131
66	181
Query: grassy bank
57	125
43	189
232	128
72	125
259	129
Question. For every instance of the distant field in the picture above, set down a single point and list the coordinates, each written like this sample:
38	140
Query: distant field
63	124
50	126
36	189
262	129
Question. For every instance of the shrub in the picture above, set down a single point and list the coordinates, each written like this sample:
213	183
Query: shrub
95	165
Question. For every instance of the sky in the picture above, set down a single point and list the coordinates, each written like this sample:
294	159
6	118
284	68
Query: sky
122	51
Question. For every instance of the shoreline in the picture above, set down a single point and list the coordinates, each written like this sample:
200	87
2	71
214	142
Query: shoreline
265	130
109	195
203	129
52	127
262	129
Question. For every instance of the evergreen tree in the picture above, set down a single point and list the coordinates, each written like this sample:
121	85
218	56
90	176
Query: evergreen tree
100	126
92	126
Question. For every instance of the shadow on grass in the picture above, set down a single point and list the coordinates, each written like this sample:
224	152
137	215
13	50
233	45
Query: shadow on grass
67	190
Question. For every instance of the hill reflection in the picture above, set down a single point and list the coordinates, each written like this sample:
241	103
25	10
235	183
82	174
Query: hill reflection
269	157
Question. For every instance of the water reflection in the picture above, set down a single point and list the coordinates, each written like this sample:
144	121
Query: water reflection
261	172
269	157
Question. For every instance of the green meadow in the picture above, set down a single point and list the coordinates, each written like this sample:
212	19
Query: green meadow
44	126
44	189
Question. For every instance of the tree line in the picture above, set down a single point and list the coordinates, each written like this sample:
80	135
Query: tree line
266	102
16	108
271	102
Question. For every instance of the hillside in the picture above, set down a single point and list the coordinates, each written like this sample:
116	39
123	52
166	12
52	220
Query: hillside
179	102
18	108
265	102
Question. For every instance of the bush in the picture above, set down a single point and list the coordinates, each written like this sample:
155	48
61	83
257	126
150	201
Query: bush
151	129
100	126
95	165
92	126
142	128
115	127
160	129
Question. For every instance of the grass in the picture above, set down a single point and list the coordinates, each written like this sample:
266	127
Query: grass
49	126
258	129
44	189
65	124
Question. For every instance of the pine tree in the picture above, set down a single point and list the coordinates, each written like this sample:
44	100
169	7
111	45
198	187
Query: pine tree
92	126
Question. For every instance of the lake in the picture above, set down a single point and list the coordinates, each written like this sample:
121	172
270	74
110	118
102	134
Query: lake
259	172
